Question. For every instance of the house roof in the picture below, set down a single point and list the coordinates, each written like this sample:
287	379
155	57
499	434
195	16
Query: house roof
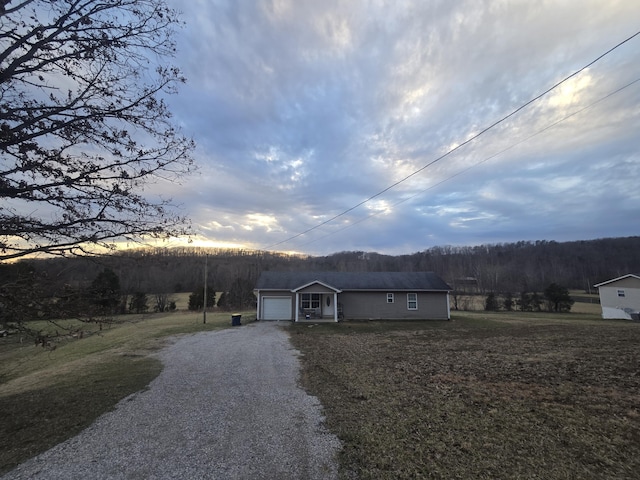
317	282
423	281
637	275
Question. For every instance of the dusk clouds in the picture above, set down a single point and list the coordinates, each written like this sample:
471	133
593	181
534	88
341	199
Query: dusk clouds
302	110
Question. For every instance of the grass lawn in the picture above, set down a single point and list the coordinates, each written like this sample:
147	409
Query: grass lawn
50	394
485	396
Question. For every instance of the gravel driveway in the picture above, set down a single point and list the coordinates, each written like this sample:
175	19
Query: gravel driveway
226	406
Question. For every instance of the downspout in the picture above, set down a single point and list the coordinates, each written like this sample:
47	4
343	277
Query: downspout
335	307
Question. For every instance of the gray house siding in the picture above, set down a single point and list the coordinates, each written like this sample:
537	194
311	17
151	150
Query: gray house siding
374	305
350	295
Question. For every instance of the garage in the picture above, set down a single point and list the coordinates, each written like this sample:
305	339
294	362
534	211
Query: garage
276	308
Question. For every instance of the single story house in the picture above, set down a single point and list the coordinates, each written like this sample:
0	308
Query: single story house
620	297
333	296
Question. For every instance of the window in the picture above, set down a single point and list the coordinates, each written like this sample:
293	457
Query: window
389	297
621	293
412	301
310	300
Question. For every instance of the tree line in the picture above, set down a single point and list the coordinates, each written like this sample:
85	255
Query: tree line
27	294
501	268
506	267
554	298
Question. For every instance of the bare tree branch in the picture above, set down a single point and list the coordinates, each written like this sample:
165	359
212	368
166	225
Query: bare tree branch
83	125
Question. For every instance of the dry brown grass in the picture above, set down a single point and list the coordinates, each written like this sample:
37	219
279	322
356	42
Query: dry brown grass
500	396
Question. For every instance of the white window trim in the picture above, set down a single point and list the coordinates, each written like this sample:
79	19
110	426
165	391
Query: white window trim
390	298
409	302
311	300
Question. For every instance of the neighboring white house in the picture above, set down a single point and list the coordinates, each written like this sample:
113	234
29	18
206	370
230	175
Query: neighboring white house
620	297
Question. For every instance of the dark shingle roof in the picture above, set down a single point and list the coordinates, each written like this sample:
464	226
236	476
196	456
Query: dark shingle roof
270	280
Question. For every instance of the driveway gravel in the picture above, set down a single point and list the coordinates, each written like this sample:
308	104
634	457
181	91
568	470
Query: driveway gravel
226	406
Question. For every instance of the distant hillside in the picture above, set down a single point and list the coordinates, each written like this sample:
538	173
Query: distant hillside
510	267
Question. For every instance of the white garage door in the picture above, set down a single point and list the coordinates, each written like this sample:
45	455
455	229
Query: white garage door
276	308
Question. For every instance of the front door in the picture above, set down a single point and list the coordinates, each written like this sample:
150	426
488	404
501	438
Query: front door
327	305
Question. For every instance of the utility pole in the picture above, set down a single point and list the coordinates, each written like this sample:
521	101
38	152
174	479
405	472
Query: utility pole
204	309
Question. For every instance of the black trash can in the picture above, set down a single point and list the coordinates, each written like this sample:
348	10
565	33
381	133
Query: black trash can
235	319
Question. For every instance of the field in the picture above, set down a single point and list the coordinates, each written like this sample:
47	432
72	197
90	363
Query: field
485	396
48	394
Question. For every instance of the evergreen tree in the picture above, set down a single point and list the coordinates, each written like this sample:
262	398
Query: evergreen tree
508	302
536	302
524	302
558	298
491	302
241	294
138	303
196	299
105	292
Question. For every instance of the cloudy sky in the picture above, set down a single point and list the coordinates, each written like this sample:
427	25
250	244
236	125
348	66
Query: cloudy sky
304	109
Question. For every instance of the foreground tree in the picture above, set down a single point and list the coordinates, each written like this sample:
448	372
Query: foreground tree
83	126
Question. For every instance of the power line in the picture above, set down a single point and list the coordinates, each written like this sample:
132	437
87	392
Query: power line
469	140
457	174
